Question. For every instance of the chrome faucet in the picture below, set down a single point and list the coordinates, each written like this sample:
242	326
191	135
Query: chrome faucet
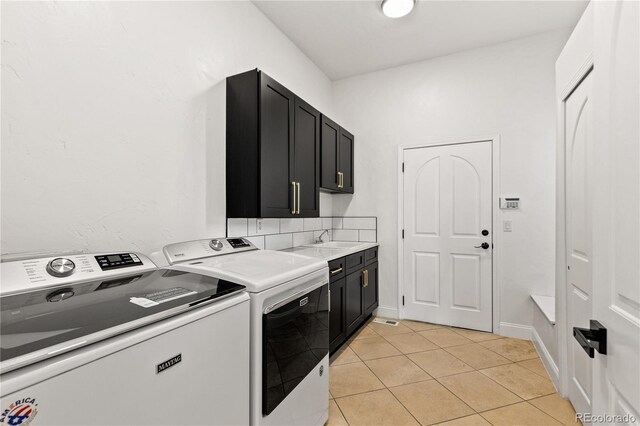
319	239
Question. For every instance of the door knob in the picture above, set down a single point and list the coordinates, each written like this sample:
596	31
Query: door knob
483	245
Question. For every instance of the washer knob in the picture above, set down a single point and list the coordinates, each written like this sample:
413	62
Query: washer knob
61	267
216	245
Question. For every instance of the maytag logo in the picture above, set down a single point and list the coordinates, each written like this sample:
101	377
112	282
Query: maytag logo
168	363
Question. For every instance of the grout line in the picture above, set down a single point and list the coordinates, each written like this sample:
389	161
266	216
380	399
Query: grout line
549	414
513	393
404	406
503	406
430	379
359	393
341	412
418	381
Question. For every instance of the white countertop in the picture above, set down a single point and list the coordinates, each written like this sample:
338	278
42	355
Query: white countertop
329	253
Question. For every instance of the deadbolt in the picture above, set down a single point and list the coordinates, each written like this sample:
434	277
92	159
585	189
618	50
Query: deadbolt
485	232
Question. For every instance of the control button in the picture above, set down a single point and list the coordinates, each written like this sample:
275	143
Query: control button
61	267
216	245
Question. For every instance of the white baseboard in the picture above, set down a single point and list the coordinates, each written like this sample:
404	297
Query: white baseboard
547	360
517	331
386	312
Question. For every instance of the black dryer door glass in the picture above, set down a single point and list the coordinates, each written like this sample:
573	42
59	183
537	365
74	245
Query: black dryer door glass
295	339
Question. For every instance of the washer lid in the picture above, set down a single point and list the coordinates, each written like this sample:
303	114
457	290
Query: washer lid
48	321
257	270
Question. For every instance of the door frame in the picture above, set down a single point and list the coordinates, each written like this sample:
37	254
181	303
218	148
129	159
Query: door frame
575	62
496	216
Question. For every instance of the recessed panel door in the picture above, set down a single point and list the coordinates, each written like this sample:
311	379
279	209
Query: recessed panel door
616	278
306	162
578	157
330	135
447	245
276	130
337	325
354	311
345	161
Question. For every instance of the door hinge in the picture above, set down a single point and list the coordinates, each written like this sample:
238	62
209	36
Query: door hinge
402	300
403	234
403	167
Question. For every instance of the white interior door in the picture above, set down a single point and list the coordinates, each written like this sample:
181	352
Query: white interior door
616	302
578	154
447	206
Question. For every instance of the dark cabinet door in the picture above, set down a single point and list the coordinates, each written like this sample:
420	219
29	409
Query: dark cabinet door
329	158
345	160
370	290
337	322
353	300
276	134
306	153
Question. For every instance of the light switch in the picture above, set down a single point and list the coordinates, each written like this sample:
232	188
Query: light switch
506	226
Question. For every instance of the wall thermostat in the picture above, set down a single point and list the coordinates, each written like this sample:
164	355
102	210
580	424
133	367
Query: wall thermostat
510	203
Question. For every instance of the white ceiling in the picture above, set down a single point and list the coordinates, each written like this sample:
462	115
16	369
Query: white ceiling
346	38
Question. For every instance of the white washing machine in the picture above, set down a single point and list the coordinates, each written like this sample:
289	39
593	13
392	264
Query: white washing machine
97	339
289	324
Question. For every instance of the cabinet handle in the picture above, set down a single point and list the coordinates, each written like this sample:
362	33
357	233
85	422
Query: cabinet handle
340	180
336	271
365	278
293	209
298	185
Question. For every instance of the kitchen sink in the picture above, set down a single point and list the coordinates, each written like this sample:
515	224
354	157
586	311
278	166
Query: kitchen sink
335	244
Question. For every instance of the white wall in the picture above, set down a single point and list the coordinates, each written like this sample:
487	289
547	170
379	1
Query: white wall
113	128
113	118
506	89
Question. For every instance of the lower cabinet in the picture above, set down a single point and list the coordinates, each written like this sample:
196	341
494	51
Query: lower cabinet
337	329
353	301
370	289
354	294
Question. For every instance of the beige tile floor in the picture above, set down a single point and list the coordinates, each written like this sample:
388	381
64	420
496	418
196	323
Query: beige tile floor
424	374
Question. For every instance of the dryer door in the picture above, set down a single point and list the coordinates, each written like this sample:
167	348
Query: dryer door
295	340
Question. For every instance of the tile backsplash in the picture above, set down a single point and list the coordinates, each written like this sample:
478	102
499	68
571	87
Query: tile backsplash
278	234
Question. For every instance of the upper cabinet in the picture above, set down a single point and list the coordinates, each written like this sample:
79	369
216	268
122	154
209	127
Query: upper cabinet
336	164
273	150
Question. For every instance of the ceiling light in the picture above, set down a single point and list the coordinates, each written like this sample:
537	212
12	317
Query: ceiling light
397	8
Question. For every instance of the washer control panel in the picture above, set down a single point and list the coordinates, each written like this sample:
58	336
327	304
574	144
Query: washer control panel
198	249
118	260
55	271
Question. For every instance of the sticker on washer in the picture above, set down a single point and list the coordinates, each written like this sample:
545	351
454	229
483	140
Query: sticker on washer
153	299
19	412
141	301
